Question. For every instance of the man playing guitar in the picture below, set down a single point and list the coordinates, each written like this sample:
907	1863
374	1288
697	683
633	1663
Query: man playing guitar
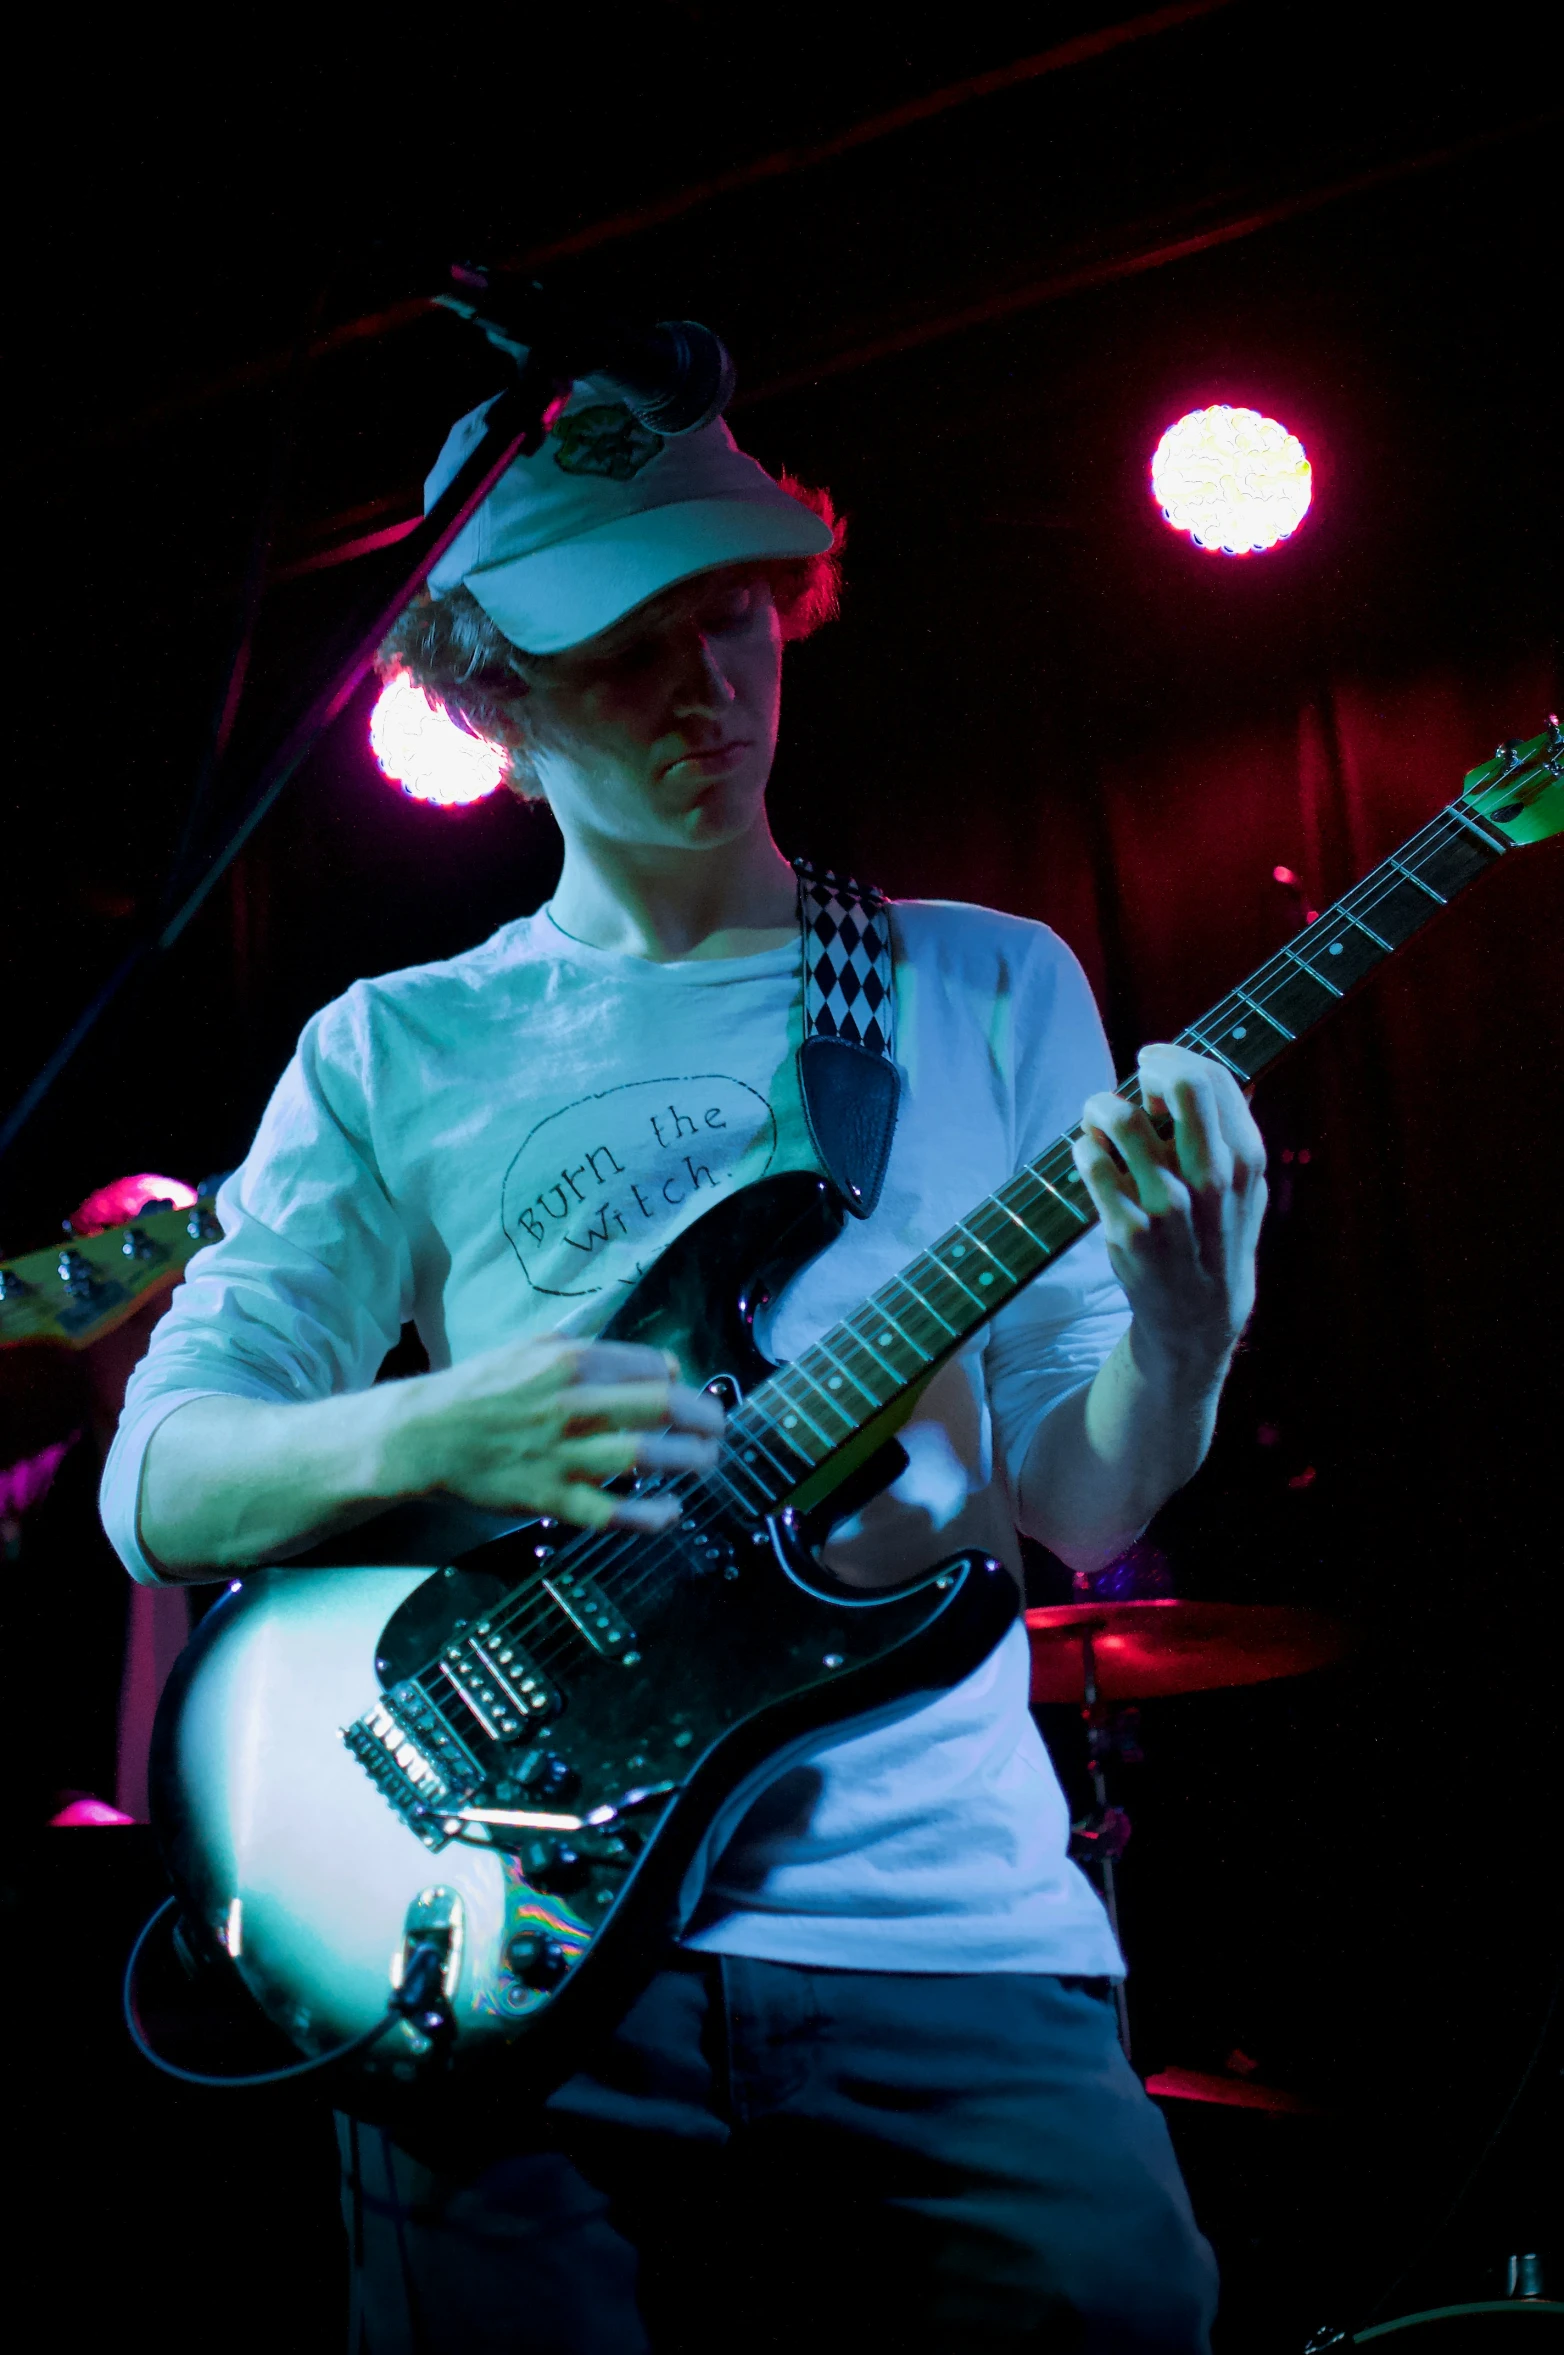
876	2086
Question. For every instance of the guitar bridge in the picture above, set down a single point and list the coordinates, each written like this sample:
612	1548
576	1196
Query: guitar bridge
420	1769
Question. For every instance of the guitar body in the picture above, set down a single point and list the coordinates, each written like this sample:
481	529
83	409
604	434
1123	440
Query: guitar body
294	1866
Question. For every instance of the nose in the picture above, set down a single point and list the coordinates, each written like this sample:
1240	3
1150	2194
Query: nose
704	688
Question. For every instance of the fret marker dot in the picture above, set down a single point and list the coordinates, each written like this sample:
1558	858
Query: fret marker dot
788	1422
1335	948
985	1278
1240	1031
835	1383
958	1251
886	1339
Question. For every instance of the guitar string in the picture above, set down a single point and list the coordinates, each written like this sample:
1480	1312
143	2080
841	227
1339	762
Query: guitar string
530	1614
655	1552
1282	970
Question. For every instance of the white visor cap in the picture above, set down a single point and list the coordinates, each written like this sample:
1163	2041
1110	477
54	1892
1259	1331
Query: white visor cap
606	514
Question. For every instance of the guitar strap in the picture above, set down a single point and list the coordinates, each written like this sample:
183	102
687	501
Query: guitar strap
846	1065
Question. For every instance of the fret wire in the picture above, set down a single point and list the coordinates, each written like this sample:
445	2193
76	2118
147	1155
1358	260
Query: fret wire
962	1246
998	1203
796	1411
1475	825
924	1276
895	1372
799	1370
948	1298
1255	1007
1034	1170
904	1280
961	1227
981	1300
1413	877
1211	1048
884	1316
1304	966
755	1440
967	1291
877	1371
1060	1156
872	1379
844	1370
1375	937
1016	1219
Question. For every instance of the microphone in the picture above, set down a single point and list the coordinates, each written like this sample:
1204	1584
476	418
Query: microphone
675	377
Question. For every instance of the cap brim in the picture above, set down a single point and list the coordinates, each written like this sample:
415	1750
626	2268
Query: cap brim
558	597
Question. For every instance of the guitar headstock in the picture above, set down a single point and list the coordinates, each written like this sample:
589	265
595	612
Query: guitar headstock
1520	792
85	1285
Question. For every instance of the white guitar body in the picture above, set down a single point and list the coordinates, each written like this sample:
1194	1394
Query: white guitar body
287	1853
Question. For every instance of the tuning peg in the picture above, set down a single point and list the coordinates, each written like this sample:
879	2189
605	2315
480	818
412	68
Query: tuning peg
78	1275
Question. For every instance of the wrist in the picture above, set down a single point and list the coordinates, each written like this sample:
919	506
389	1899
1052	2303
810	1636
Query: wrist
395	1459
1181	1364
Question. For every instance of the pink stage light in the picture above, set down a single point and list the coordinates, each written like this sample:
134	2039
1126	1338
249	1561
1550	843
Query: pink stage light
1237	482
429	754
115	1204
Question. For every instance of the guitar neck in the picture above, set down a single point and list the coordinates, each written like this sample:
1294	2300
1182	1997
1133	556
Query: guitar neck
812	1411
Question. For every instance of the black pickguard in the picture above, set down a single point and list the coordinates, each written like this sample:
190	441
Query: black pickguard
742	1645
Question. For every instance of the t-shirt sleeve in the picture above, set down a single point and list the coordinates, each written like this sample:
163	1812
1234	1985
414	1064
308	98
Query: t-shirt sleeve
311	1282
1054	1335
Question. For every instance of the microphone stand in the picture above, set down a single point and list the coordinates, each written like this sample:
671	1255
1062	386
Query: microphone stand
516	426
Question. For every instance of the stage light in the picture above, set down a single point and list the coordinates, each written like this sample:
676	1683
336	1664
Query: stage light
430	755
1237	482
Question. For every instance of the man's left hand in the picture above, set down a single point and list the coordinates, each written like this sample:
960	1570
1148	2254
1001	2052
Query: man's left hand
1181	1217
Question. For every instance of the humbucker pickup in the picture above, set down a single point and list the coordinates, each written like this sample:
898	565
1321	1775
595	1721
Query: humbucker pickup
501	1686
587	1607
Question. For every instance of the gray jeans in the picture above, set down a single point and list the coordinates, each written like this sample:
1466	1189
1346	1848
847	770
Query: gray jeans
766	2157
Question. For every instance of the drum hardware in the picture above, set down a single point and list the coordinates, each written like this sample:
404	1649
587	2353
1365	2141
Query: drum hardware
1104	1655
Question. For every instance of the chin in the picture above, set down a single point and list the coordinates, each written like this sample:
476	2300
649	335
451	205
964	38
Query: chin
722	814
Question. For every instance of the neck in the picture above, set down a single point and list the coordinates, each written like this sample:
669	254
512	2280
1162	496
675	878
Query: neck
668	903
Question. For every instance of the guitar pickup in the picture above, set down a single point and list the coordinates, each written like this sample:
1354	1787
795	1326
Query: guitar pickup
500	1685
588	1609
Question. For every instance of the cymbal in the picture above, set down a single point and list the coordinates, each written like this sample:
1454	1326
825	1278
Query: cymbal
1150	1650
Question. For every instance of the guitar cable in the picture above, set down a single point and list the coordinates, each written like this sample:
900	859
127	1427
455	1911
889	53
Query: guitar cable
415	1994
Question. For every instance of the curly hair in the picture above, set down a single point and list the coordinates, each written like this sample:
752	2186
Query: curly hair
450	648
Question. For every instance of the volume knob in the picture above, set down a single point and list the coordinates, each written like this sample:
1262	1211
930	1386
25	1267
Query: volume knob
566	1870
540	1961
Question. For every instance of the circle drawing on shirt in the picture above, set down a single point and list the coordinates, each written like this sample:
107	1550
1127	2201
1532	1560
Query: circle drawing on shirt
601	1187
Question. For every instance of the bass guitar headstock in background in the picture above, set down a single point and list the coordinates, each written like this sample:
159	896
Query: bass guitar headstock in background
82	1287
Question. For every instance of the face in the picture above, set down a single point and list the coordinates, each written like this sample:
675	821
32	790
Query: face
662	731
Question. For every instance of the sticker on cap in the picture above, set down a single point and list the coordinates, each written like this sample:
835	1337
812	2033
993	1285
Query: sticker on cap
604	440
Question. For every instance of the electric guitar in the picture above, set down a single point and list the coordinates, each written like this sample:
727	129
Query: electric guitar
493	1781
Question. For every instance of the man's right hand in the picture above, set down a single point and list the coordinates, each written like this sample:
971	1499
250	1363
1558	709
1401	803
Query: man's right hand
537	1426
533	1427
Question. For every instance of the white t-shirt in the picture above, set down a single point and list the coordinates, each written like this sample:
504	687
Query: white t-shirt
497	1145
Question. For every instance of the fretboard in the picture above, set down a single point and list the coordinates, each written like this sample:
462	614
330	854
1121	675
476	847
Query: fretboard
816	1405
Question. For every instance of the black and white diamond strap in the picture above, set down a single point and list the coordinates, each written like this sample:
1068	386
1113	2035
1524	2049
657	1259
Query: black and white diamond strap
849	976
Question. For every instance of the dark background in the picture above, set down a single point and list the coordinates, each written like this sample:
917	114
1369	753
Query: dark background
973	326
